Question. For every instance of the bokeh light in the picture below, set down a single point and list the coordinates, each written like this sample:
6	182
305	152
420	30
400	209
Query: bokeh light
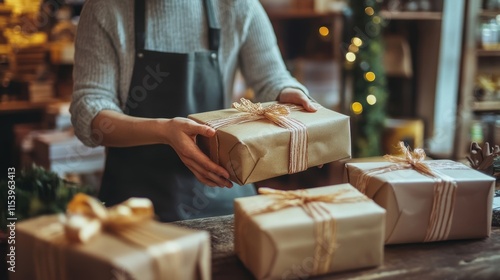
357	42
357	108
371	99
369	11
370	76
353	48
351	57
324	31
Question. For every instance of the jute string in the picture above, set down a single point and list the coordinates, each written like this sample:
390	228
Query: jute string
277	114
440	219
314	207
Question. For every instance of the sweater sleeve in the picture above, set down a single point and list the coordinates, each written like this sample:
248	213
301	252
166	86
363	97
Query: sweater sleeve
260	58
96	71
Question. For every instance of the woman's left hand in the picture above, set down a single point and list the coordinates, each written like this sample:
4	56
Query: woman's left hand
296	96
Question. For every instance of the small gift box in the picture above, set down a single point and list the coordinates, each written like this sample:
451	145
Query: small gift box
297	234
426	201
255	142
121	242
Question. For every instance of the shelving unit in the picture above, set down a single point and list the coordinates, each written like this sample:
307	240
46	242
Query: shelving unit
313	59
478	119
404	15
430	93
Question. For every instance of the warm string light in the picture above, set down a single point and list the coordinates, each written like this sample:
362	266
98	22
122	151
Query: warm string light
371	99
369	11
370	76
357	108
324	31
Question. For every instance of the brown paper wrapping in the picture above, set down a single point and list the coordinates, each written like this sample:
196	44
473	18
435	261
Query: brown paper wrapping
42	255
408	196
259	150
280	244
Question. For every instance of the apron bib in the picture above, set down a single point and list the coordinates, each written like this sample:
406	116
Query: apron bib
168	85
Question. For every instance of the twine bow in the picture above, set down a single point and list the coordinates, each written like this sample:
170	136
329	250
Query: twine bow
412	159
324	222
444	190
277	114
86	216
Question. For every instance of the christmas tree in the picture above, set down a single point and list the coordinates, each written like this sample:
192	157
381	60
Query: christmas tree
364	54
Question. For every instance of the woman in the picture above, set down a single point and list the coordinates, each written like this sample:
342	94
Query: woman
142	66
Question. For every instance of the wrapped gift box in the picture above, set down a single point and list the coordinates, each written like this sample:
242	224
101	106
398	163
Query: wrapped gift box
44	254
280	244
408	197
259	150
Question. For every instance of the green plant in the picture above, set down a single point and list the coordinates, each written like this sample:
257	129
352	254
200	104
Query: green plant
37	192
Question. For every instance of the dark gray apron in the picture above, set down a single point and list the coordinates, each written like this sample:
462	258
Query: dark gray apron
168	85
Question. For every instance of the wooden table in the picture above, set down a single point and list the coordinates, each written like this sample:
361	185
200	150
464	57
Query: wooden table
465	259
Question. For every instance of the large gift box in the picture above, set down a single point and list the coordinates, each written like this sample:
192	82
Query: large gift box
49	248
302	233
255	142
427	200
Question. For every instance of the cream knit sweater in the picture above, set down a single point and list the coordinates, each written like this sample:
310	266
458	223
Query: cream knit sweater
105	48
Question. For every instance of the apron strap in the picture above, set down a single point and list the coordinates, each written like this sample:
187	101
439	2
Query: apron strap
140	25
213	26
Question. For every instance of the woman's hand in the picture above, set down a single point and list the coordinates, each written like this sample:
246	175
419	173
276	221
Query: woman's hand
296	96
181	137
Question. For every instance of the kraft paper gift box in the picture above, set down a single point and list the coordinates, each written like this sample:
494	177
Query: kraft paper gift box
276	238
160	251
259	149
421	210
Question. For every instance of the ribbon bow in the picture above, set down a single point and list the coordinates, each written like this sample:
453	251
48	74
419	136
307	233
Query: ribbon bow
275	110
86	216
301	198
278	114
324	222
413	159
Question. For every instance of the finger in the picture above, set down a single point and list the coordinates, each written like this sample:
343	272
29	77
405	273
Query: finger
308	105
202	179
208	175
204	130
221	182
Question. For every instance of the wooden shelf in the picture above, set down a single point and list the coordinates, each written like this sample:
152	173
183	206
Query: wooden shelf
295	13
402	15
486	106
483	52
20	106
489	13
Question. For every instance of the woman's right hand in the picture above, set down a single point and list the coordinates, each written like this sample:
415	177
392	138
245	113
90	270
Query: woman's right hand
181	136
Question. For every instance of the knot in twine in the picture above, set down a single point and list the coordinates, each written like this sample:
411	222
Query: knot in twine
412	159
270	112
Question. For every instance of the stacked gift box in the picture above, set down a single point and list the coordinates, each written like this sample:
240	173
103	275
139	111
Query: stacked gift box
278	234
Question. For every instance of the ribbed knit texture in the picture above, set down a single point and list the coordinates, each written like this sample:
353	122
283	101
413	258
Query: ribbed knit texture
105	49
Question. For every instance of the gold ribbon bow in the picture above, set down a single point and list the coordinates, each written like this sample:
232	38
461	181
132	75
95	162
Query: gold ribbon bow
324	222
442	210
278	114
86	216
